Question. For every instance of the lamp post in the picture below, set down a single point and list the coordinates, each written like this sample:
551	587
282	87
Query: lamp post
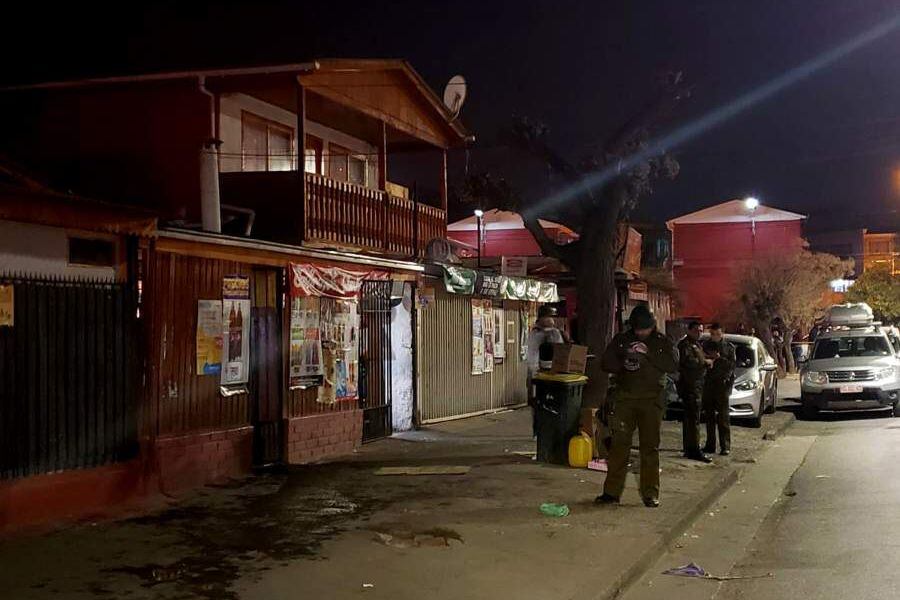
752	203
479	215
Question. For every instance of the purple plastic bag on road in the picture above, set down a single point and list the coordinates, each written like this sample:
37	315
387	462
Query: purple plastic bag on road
688	570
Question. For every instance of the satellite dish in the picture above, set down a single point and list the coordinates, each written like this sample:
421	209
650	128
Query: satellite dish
455	95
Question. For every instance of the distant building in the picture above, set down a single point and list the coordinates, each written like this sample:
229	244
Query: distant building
846	244
881	251
712	245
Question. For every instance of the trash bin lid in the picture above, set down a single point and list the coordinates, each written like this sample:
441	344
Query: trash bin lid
569	378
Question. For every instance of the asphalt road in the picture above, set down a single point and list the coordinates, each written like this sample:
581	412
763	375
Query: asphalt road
836	534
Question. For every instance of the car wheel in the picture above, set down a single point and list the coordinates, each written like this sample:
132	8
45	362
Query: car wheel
756	422
771	408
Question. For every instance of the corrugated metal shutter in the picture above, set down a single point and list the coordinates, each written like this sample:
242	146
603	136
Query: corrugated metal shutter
447	389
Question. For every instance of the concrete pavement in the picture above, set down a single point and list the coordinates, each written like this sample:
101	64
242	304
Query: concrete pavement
836	534
340	531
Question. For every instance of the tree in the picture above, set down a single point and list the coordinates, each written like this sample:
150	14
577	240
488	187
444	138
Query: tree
788	290
878	288
592	197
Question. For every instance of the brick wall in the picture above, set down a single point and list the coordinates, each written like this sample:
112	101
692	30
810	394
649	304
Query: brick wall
320	437
195	459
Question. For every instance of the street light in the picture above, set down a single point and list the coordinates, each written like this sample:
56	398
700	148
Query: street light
752	203
479	215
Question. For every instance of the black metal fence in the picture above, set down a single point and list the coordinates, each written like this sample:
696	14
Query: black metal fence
375	358
67	387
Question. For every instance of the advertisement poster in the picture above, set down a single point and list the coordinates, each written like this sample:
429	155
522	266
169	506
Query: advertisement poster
515	266
499	334
209	337
425	296
477	339
340	342
7	306
489	285
306	347
527	317
236	330
487	319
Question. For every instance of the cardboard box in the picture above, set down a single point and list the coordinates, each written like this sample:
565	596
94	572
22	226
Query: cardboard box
569	358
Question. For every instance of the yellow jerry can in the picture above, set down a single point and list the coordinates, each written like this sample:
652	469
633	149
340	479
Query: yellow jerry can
581	450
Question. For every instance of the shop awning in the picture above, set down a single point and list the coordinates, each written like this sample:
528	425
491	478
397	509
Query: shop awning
459	280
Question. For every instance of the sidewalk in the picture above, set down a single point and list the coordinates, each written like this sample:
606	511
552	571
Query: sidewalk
340	531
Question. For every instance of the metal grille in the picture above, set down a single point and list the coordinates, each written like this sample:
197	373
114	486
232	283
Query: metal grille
67	385
375	358
846	376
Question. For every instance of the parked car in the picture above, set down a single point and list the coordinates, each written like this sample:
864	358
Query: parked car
853	368
755	389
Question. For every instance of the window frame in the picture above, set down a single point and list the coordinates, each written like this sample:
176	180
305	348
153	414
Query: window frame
249	116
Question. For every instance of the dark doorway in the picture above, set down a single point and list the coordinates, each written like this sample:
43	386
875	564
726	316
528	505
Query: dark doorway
266	369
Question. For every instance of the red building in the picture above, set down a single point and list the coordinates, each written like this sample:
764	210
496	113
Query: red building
712	245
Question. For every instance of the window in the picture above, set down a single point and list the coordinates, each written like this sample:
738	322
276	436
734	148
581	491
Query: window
89	252
344	166
744	355
356	170
337	162
313	155
879	247
265	145
868	345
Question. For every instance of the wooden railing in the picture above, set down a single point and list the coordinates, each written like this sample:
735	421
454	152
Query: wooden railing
346	215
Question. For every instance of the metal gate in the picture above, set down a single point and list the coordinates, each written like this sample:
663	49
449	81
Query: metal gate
67	384
375	358
266	380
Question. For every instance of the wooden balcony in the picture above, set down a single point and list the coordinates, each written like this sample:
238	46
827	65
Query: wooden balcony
333	214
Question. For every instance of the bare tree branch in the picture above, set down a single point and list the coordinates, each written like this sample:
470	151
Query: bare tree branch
565	254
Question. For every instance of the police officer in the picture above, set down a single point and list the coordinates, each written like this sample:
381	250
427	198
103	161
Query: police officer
640	358
717	390
692	365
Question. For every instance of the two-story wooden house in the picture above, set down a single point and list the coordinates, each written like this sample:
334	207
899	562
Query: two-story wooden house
293	204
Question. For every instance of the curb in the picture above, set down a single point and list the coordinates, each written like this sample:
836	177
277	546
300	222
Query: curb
710	494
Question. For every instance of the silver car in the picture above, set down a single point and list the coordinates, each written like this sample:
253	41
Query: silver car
851	369
755	389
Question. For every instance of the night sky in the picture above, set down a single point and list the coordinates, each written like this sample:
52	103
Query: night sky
829	146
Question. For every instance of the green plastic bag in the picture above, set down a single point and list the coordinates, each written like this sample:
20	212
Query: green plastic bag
555	510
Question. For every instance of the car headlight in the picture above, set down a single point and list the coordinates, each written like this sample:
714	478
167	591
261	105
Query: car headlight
746	385
816	377
885	373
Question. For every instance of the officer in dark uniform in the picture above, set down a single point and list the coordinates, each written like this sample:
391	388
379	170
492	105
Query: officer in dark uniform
639	358
717	390
692	365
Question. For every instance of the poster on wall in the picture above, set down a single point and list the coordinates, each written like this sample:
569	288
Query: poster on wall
306	347
425	296
487	327
209	337
7	305
499	335
477	338
527	318
235	330
340	343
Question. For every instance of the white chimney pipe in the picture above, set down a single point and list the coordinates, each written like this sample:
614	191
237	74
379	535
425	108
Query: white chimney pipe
210	209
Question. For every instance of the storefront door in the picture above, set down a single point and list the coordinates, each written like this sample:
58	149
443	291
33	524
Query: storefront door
266	382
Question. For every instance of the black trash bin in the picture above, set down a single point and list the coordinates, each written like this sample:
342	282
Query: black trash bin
557	406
